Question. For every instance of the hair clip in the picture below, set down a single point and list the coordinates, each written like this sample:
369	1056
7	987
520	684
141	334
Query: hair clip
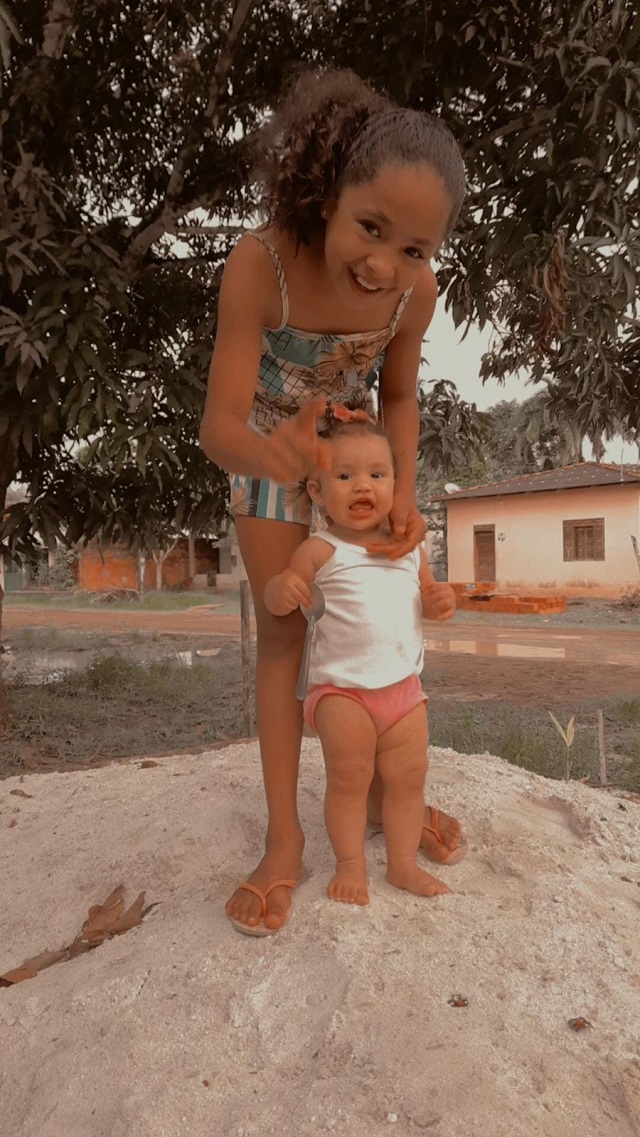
338	412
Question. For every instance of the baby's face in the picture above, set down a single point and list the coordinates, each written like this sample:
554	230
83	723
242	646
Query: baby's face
357	492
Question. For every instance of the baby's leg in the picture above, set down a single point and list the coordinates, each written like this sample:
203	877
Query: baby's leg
348	739
402	764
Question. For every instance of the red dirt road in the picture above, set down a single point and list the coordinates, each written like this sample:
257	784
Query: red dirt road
525	666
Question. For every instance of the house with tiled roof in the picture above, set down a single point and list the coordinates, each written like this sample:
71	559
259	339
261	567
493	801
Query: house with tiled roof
569	530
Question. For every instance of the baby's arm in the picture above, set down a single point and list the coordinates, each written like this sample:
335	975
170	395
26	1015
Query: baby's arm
438	599
286	591
249	301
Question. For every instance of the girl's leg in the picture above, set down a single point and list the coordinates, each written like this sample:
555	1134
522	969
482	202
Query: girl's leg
450	829
348	739
267	547
402	764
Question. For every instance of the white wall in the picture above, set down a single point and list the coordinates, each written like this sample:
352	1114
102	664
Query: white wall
532	551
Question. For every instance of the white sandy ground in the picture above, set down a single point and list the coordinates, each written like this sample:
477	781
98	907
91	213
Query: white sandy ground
341	1024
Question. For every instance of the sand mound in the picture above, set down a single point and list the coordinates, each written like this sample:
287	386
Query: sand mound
342	1023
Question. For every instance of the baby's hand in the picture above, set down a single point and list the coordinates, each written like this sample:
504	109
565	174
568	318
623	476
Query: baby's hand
286	592
294	449
438	601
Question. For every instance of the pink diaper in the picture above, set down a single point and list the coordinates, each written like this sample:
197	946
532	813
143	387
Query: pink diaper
385	705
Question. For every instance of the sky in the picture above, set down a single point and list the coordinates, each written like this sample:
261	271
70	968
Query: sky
450	357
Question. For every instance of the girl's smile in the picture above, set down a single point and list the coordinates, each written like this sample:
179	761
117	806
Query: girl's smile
380	236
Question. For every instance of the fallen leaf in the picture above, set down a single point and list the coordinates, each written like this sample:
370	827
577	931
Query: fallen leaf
103	921
12	824
18	975
78	947
20	793
148	763
100	914
129	919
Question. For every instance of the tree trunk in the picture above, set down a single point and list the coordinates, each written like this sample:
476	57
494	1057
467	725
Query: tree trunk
8	470
192	555
142	564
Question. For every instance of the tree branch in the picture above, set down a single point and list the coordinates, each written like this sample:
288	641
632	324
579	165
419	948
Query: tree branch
166	219
56	28
205	230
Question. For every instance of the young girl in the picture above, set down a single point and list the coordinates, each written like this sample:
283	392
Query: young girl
337	286
365	700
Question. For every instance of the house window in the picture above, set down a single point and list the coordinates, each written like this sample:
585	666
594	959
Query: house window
583	540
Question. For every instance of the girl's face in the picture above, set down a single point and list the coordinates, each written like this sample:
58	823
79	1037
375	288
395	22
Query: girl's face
357	491
380	236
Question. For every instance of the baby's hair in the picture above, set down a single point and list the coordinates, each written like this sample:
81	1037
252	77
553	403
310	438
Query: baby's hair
334	130
337	428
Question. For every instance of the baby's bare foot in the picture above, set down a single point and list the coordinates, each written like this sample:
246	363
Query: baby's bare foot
349	885
416	880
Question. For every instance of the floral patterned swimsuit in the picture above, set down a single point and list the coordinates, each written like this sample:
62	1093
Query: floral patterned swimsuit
297	366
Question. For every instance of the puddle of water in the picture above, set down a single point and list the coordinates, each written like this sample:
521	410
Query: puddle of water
189	658
532	651
51	667
45	667
494	648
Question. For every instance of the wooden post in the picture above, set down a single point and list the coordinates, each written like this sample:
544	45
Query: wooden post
247	670
603	756
141	566
191	546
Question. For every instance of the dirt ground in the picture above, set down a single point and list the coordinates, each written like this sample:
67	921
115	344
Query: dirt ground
522	665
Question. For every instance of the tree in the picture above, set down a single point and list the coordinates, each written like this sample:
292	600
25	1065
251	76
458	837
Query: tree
514	438
126	134
451	430
125	145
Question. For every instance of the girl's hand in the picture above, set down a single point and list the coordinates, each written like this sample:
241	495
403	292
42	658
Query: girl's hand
294	449
438	601
286	592
408	529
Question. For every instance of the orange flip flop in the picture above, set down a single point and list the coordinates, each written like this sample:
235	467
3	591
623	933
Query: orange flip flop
455	855
261	929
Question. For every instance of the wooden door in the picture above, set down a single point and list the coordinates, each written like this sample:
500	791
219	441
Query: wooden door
484	552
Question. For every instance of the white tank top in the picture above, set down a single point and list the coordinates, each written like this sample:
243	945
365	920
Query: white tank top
371	632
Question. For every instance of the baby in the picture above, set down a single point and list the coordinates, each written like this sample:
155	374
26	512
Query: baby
365	700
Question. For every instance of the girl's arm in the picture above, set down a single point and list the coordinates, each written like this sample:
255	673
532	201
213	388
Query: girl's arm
398	397
242	314
438	599
249	301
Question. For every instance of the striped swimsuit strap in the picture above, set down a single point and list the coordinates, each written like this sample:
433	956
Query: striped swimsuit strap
284	294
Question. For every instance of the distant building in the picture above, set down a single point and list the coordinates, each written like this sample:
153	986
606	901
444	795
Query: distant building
570	530
102	568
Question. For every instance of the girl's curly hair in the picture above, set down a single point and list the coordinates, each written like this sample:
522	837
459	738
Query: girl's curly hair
334	130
